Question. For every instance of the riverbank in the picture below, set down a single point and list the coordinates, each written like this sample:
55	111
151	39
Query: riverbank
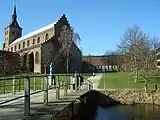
133	96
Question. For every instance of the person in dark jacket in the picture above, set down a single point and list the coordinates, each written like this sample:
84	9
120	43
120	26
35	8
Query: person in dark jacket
81	80
77	80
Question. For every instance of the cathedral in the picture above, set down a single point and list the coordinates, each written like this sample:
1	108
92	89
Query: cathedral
40	46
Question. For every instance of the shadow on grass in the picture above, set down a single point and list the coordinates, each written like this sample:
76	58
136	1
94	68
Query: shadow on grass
141	81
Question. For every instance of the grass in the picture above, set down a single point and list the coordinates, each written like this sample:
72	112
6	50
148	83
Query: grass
20	82
126	80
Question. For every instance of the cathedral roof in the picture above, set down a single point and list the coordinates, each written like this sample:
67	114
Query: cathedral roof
62	18
34	33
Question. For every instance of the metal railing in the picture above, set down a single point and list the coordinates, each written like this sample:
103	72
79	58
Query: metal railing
44	87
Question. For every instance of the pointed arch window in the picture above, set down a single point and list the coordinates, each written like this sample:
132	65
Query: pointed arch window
19	46
23	44
15	48
11	49
46	36
38	40
36	57
28	43
33	41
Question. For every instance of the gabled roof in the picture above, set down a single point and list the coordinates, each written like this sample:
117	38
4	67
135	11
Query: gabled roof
62	18
34	33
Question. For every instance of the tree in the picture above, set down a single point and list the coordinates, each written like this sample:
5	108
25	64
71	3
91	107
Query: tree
137	47
30	62
111	58
68	40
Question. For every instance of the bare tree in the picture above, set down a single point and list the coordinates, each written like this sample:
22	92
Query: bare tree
68	40
137	48
111	58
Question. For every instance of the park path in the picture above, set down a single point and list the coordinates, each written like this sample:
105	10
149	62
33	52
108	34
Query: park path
15	110
95	80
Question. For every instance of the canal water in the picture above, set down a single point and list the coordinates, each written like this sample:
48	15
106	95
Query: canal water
129	112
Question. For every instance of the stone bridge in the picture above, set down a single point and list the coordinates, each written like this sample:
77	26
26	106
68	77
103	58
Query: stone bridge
14	110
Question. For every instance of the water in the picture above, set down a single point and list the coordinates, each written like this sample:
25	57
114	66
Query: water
129	112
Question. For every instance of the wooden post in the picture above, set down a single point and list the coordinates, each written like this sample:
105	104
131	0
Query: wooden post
52	79
19	84
42	80
104	82
57	88
27	97
65	86
14	85
34	82
46	90
4	86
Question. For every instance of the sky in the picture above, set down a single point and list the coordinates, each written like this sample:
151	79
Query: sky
100	23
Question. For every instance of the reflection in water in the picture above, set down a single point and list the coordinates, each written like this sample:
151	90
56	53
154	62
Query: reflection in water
129	112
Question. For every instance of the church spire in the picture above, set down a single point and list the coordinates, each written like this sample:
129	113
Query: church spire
14	22
14	14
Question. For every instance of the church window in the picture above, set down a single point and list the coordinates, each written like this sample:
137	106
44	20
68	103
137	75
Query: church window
15	48
13	32
6	32
33	41
36	58
23	44
11	49
38	40
46	36
19	46
28	43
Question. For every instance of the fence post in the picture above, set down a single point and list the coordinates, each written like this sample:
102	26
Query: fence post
14	85
42	81
34	82
4	86
65	86
57	88
27	97
46	90
19	84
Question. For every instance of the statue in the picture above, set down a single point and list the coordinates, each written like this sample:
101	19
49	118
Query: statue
51	74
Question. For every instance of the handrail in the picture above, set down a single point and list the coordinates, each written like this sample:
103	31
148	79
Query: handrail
45	89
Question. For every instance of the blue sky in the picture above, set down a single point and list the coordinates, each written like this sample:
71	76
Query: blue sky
100	23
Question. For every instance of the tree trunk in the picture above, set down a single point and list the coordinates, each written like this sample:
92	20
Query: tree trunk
66	81
136	75
108	65
67	66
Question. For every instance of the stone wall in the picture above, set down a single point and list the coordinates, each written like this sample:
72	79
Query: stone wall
130	96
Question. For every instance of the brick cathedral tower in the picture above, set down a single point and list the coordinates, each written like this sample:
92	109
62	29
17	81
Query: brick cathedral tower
12	31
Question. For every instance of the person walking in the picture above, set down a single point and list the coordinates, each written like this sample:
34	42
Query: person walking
81	81
73	83
77	80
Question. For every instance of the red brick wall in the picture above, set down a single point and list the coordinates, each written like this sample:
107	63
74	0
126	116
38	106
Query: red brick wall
9	61
104	60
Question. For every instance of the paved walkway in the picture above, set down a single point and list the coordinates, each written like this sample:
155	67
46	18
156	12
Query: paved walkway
15	110
96	80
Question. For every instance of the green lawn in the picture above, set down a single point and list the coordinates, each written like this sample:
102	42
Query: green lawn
126	80
20	82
